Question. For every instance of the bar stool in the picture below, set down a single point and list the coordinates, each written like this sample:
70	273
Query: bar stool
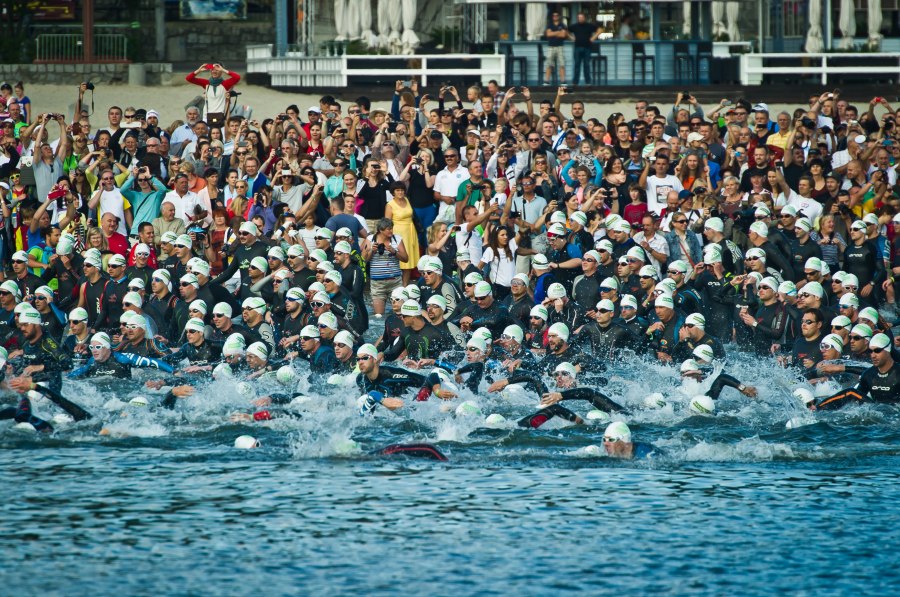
685	66
640	57
599	66
515	62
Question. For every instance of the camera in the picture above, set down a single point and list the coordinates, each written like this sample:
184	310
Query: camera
196	230
686	95
380	248
392	127
107	152
514	215
89	86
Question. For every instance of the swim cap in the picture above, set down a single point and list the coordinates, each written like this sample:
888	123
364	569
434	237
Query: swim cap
679	265
411	308
222	370
598	416
134	299
138	401
841	321
617	432
715	223
246	442
477	343
704	352
761	228
605	305
250	228
655	400
813	288
555	291
324	233
514	332
222	309
690	366
101	338
367	350
813	263
256	303
604	244
285	374
850	281
804	224
667	284
696	319
399	294
495	420
649	270
703	405
198	305
636	253
880	341
849	300
622	226
803	395
539	311
485	334
861	329
64	246
318	255
559	329
756	277
468	409
611	220
834	341
276	253
296	251
260	263
78	313
579	217
610	283
437	300
483	289
664	301
787	287
712	254
628	302
566	368
334	276
413	292
234	346
329	320
31	317
4	354
463	255
538	261
869	314
769	282
310	331
344	337
195	324
167	237
756	252
258	349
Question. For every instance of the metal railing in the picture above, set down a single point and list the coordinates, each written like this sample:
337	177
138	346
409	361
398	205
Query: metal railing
755	66
69	47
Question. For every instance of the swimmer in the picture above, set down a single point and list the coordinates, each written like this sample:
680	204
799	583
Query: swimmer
879	383
618	444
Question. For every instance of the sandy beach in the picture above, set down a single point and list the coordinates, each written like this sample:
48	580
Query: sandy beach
170	101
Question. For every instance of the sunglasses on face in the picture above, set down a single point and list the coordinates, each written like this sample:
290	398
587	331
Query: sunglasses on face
837	327
307	338
96	347
472	349
875	350
317	305
361	359
809	321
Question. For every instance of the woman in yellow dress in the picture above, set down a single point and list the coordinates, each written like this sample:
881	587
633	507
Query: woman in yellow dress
400	211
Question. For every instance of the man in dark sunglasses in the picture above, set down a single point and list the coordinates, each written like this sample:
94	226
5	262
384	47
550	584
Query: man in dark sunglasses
250	247
878	383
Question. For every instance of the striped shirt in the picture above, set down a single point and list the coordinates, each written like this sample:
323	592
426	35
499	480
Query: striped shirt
386	266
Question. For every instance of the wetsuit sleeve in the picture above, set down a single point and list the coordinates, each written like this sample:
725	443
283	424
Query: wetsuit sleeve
139	361
83	370
76	412
721	382
545	414
229	271
597	399
856	368
23	415
776	330
529	379
392	352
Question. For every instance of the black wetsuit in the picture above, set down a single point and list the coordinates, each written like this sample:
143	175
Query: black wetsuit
66	280
205	354
47	352
391	381
22	412
873	385
607	341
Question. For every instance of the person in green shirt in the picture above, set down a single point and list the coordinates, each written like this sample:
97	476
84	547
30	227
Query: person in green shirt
469	191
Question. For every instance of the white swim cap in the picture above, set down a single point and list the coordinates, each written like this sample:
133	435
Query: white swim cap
703	405
246	442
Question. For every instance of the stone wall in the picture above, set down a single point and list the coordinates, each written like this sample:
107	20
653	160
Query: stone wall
215	41
73	74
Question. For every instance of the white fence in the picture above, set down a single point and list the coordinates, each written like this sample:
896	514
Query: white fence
755	66
297	70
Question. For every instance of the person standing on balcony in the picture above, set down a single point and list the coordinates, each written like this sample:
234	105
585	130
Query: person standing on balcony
583	34
556	34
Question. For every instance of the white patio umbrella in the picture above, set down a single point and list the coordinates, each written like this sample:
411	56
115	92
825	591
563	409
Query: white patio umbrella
686	13
340	19
384	23
875	18
734	13
364	11
718	14
535	20
814	43
409	38
847	24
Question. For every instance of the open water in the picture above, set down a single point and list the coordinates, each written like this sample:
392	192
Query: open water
736	504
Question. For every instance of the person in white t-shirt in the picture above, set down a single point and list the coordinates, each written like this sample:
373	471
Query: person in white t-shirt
108	199
500	254
446	184
186	200
800	199
468	235
659	183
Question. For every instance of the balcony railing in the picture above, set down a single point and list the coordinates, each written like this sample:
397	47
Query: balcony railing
69	47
